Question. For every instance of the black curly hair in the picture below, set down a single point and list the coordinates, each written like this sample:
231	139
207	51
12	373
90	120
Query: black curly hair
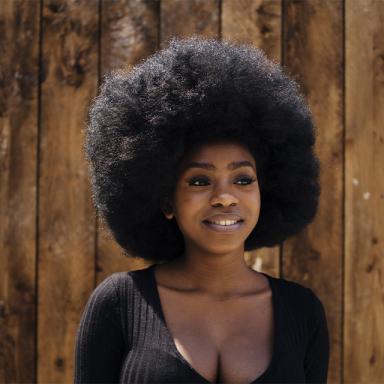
195	91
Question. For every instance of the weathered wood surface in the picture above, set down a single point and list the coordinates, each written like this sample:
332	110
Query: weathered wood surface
313	53
66	241
363	341
54	247
19	83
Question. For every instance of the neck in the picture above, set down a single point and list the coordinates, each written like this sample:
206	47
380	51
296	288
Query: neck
216	275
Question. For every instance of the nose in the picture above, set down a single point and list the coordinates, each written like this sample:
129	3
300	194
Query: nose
225	199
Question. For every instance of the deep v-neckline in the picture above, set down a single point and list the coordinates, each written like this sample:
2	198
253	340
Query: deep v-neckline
276	335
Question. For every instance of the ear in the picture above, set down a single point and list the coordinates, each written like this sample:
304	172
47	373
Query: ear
167	208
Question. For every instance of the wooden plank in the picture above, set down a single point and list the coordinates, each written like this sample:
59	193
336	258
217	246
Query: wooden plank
364	192
129	33
66	216
183	18
19	31
257	23
313	53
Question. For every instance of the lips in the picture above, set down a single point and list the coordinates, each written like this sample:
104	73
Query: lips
223	217
224	228
209	223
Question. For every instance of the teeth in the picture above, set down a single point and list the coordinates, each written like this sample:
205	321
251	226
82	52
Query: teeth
224	222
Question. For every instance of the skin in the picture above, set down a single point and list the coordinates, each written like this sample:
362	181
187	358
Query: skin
218	309
213	262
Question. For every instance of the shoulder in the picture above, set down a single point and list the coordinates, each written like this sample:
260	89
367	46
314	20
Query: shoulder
108	292
129	279
104	297
129	285
299	299
106	289
110	296
102	307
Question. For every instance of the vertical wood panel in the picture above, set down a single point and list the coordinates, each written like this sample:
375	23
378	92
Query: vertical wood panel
184	18
313	48
364	200
19	47
67	218
129	33
257	23
44	179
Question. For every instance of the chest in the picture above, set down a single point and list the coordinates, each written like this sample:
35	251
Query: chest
230	341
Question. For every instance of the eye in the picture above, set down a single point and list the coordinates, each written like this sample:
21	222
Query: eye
248	180
197	180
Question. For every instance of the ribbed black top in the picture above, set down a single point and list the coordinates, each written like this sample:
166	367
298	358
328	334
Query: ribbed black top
123	338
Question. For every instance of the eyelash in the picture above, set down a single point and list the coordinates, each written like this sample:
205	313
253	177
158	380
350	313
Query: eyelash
194	179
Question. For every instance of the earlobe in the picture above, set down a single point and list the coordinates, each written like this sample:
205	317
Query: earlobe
167	209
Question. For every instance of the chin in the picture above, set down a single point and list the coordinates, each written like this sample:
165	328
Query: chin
222	249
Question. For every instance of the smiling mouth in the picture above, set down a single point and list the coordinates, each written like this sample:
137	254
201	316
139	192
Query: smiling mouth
224	222
228	226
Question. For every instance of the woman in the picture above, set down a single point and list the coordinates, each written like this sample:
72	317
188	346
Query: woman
199	153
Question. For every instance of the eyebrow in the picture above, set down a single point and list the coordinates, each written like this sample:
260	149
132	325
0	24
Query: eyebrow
211	167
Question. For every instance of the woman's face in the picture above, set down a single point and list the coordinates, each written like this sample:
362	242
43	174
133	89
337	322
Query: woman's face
217	182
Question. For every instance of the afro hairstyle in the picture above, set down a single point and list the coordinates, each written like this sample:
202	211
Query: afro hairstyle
195	91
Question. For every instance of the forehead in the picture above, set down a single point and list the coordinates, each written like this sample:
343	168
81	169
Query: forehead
220	154
218	150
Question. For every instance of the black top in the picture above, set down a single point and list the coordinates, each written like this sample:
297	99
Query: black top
123	338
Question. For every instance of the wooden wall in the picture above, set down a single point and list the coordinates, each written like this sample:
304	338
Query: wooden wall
54	249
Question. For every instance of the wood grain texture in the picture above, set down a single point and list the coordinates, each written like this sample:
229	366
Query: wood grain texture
129	34
183	18
54	250
19	47
66	216
364	192
257	23
313	54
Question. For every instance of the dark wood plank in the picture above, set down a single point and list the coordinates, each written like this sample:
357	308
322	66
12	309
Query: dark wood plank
364	192
66	216
19	31
313	53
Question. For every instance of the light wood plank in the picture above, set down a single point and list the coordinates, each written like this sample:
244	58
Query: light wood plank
364	192
313	53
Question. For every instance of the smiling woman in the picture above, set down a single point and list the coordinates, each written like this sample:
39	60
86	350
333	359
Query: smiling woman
216	193
198	154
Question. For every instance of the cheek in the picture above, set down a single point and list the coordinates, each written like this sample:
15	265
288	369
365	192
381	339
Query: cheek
256	196
188	210
252	201
187	203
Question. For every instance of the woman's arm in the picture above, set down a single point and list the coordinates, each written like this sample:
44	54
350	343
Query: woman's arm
317	355
99	341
